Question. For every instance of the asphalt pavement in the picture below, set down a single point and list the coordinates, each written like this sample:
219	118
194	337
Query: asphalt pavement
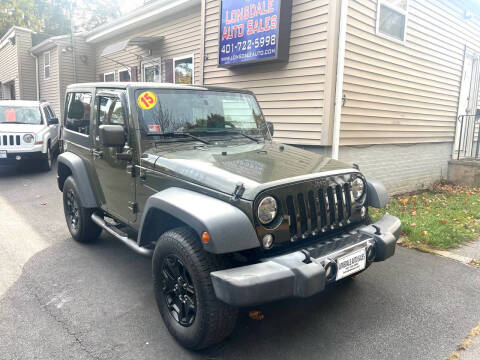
63	300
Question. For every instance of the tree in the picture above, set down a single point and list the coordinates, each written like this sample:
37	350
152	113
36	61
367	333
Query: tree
52	17
90	14
20	13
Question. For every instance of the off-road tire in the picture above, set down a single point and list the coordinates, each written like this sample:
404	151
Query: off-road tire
84	230
214	320
47	159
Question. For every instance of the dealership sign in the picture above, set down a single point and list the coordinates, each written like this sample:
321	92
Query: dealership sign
253	31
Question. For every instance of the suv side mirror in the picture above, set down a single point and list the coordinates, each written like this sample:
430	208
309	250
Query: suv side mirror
53	121
270	127
112	135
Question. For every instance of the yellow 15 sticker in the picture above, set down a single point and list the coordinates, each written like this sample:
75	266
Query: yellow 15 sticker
147	100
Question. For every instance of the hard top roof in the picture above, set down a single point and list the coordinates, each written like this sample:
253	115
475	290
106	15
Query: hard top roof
151	85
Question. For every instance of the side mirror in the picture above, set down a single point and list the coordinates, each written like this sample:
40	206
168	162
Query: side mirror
112	135
53	121
270	127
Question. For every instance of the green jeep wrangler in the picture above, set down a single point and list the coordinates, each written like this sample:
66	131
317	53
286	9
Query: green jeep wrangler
190	176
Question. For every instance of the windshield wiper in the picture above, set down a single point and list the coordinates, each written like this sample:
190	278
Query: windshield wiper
194	137
182	134
230	132
245	135
236	132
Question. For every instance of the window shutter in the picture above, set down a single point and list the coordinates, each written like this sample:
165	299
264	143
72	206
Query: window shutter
134	72
169	70
100	77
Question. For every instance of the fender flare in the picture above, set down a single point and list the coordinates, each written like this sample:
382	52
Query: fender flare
46	139
230	228
377	195
79	172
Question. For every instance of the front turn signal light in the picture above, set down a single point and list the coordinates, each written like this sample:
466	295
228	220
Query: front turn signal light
205	237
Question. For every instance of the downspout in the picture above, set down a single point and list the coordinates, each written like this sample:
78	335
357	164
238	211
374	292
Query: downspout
37	80
72	42
342	35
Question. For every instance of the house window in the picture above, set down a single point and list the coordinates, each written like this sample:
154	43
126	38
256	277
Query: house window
152	70
392	19
46	65
124	75
183	68
110	76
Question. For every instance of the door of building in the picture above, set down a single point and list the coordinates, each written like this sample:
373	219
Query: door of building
467	106
8	90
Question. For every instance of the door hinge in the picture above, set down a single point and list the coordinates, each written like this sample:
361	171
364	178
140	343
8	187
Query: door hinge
131	170
133	206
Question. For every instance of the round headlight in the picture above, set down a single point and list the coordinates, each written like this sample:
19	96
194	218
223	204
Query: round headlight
28	138
267	210
358	188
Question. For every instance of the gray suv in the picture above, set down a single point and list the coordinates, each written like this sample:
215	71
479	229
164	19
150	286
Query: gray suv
190	176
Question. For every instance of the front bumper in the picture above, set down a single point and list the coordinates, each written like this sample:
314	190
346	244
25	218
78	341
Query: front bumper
301	273
15	156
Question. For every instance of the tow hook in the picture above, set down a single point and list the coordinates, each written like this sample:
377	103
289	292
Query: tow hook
377	230
308	258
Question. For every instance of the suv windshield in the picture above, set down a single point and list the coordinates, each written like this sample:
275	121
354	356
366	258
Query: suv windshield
164	111
20	115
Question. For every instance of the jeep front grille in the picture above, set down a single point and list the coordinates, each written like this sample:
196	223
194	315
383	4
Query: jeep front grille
10	140
315	210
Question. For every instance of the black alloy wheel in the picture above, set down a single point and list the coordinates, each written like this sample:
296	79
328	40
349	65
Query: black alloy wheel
184	291
179	291
78	218
72	210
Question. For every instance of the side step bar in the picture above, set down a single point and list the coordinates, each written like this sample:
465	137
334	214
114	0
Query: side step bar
132	244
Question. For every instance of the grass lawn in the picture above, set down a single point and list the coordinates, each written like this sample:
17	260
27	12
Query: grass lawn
442	217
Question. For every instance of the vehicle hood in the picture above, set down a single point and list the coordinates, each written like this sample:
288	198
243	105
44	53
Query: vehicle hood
256	166
20	128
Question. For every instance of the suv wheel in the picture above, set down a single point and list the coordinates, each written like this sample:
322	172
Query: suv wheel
79	220
184	291
47	159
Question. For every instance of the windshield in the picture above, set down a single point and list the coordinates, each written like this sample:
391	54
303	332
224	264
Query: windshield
163	111
20	115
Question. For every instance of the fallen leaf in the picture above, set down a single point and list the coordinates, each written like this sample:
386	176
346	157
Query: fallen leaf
414	213
444	221
413	224
404	201
423	233
256	315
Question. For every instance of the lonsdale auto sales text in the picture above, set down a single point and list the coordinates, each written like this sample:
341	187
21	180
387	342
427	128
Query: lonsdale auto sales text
235	20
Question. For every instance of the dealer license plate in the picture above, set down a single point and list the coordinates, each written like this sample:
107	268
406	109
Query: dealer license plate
351	263
3	154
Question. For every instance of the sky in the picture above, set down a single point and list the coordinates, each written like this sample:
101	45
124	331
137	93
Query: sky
129	5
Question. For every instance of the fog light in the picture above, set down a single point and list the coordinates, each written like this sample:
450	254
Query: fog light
18	157
330	270
371	253
267	241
